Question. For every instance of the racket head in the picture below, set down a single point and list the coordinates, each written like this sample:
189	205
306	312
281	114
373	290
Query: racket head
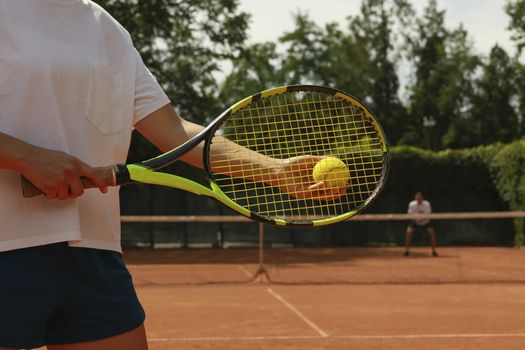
294	121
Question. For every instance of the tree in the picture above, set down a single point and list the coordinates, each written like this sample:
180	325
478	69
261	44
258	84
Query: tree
361	60
428	50
256	69
443	80
519	83
455	100
183	43
515	9
325	56
304	58
373	32
494	115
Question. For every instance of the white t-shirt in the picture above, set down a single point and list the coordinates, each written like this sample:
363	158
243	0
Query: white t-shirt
70	80
424	208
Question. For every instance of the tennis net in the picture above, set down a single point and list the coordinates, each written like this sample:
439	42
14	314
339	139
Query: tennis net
225	249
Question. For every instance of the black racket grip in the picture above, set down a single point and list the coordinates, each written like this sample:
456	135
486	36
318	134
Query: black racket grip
109	174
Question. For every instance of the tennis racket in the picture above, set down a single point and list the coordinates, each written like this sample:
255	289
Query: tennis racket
259	157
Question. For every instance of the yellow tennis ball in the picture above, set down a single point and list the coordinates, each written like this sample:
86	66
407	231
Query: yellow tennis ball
332	171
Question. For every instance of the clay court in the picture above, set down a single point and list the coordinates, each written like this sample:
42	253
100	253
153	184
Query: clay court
348	298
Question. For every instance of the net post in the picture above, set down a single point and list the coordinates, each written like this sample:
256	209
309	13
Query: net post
152	237
261	245
261	276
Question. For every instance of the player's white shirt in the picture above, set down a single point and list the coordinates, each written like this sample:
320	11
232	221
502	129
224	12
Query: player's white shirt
70	80
424	208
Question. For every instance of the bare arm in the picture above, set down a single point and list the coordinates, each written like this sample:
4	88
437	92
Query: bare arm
55	173
167	130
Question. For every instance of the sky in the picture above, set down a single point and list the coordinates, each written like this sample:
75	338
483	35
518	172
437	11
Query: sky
485	20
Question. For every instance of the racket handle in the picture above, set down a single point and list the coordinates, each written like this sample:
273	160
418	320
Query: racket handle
109	174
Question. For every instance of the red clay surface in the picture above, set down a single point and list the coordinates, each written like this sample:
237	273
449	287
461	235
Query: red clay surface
475	310
329	265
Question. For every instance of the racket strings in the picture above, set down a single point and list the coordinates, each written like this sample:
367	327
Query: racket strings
294	125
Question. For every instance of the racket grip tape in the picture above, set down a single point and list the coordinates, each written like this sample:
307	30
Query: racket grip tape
109	174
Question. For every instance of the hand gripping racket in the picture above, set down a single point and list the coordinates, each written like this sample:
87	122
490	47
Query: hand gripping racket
259	157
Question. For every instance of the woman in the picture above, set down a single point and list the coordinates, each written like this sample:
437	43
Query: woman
72	87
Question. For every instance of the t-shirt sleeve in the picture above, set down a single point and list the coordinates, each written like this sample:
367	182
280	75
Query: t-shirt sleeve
149	96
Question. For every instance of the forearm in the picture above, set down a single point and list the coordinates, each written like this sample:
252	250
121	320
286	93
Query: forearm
13	153
166	130
55	173
229	158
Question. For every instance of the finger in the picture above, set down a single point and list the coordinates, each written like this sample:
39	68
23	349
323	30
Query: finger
320	190
63	192
87	171
75	188
330	194
48	191
51	195
317	186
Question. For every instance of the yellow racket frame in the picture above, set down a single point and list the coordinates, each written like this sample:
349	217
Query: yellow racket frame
145	172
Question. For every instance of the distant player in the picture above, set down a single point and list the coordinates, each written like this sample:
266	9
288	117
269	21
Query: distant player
420	206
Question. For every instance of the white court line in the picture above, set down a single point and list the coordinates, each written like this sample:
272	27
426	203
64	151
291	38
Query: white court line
348	337
433	336
316	328
284	337
243	269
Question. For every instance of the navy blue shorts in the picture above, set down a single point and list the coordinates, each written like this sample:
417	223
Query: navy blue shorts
55	294
415	225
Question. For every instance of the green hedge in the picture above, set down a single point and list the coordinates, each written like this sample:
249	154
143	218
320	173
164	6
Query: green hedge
453	180
509	177
486	178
